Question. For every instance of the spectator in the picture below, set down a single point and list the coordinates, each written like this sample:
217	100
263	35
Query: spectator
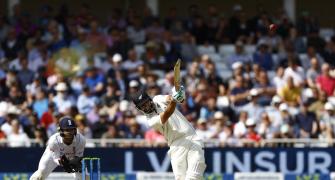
94	80
2	135
329	54
317	107
273	40
290	93
239	55
253	108
17	138
155	31
297	40
252	134
86	101
12	44
82	127
240	128
48	116
39	138
239	93
134	131
154	138
202	129
312	73
306	122
53	127
112	133
222	100
325	82
295	71
16	97
100	127
112	94
274	113
327	122
4	27
135	32
262	57
131	64
266	129
16	64
188	47
311	54
265	87
40	105
25	75
227	136
63	100
208	109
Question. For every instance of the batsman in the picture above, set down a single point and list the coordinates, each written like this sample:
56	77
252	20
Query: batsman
186	148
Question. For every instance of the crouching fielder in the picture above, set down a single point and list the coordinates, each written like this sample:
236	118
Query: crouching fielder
186	148
65	149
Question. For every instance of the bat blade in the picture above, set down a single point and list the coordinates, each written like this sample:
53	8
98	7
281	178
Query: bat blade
177	75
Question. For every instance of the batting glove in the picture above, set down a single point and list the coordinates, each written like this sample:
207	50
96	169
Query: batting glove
178	96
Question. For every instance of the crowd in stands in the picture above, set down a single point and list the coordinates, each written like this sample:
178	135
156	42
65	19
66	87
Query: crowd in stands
242	80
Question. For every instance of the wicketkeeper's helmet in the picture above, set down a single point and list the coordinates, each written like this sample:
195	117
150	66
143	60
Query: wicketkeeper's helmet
66	123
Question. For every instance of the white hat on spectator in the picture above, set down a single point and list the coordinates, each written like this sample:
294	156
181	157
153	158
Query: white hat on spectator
218	115
61	86
275	99
308	93
201	120
331	99
250	122
284	128
254	92
117	57
124	105
205	57
329	106
13	110
103	112
133	83
283	107
236	65
3	108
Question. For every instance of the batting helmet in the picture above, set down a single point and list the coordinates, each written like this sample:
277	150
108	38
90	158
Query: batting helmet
144	103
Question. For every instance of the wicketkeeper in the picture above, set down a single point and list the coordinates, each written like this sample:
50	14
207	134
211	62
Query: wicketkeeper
65	149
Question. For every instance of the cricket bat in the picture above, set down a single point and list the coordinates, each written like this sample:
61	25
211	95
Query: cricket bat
177	75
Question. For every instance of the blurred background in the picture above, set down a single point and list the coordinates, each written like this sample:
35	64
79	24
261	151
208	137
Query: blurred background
262	99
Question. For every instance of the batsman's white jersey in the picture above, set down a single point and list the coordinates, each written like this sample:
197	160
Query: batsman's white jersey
54	150
186	147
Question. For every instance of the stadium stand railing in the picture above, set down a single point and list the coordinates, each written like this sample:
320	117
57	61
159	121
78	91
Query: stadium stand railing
208	143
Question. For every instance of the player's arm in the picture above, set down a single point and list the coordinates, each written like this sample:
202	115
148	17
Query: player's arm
165	115
176	97
53	150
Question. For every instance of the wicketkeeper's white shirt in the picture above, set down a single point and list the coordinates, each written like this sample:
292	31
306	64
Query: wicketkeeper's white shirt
176	128
57	148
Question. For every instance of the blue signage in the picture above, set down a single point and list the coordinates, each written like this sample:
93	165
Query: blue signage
218	160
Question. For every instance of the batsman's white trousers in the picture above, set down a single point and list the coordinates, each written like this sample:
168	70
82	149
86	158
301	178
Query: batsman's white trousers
187	159
46	166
